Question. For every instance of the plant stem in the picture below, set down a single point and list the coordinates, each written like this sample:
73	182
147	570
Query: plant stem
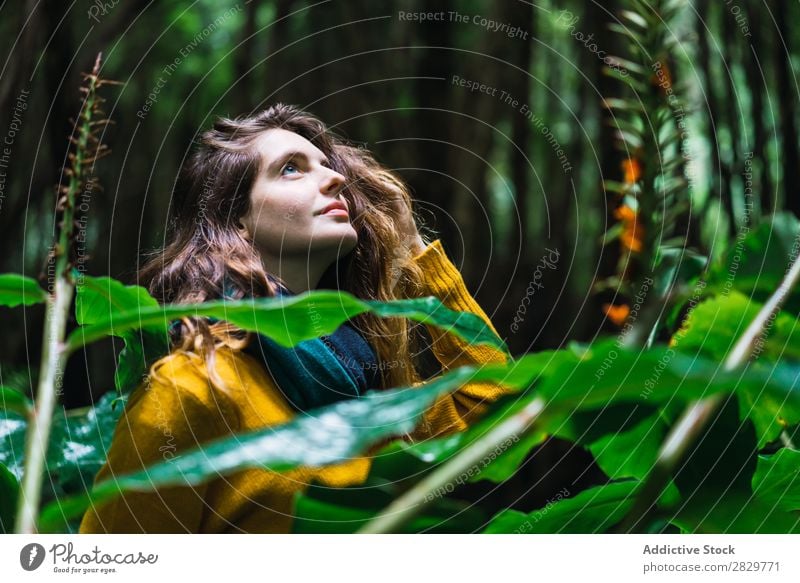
49	387
54	353
413	501
696	416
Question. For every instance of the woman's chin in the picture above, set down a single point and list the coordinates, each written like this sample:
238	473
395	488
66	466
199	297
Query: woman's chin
343	239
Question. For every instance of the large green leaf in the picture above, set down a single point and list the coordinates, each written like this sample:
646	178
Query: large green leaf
79	442
343	511
12	441
142	349
771	411
77	448
777	479
18	289
604	391
769	393
712	329
431	452
757	263
291	320
14	400
734	513
9	493
331	435
401	460
595	510
676	265
99	299
607	373
632	453
714	326
723	456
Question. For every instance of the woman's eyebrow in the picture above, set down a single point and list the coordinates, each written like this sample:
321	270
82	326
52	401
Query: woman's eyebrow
294	154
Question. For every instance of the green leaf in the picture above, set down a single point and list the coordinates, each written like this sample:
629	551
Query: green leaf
624	31
497	467
714	326
622	123
79	442
594	389
635	18
291	320
320	517
430	310
626	78
612	234
772	404
606	373
97	299
9	493
632	453
141	350
77	447
711	330
777	479
632	140
770	411
623	104
616	186
733	513
334	434
432	452
768	394
18	289
14	400
595	510
12	441
630	66
509	456
722	457
333	511
100	299
757	261
676	265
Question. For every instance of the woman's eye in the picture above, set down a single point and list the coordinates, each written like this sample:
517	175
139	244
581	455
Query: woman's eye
289	165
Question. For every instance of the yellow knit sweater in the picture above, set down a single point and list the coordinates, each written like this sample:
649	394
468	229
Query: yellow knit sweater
178	408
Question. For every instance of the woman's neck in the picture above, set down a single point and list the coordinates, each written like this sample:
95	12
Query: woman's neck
299	274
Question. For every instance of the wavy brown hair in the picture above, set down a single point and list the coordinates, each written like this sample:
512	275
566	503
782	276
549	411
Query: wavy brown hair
206	242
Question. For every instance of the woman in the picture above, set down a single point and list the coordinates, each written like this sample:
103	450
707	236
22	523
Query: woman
277	204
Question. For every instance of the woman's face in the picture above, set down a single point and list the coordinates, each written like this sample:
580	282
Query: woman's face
292	190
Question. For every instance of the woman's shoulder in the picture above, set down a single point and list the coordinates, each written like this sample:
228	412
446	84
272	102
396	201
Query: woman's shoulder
232	382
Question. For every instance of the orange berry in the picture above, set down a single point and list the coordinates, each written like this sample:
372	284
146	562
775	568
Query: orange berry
631	170
617	314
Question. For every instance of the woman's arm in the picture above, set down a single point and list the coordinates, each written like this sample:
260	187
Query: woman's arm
456	411
443	280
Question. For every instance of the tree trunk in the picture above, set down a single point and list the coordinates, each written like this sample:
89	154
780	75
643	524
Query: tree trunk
787	100
720	172
762	182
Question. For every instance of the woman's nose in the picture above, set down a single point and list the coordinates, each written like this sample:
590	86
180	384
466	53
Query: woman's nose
333	183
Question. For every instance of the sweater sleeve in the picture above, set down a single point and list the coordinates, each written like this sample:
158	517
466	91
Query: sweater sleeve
458	410
167	414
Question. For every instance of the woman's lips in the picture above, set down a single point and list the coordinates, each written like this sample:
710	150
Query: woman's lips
337	212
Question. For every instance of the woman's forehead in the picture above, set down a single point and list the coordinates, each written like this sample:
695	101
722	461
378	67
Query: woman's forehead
275	143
